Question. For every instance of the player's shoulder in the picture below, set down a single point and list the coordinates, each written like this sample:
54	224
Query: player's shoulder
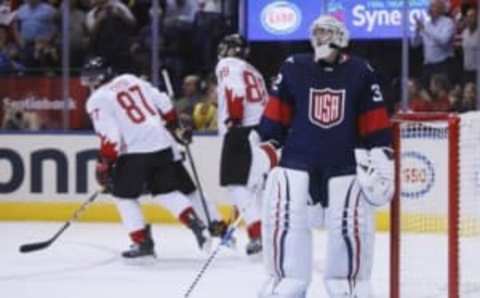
299	59
231	63
360	63
102	95
123	80
95	99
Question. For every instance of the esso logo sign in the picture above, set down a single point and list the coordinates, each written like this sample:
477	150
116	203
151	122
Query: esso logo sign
417	174
281	17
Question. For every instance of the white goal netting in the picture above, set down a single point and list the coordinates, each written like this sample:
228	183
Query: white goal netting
439	231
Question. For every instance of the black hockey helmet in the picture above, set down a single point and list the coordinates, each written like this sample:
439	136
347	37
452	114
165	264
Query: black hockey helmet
95	71
233	45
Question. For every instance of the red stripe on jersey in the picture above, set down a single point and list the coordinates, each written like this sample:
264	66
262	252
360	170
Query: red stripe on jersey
234	106
373	121
108	149
170	117
278	111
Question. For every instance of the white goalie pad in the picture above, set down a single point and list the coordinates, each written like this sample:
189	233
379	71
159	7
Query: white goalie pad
376	174
286	234
283	288
264	158
342	289
350	242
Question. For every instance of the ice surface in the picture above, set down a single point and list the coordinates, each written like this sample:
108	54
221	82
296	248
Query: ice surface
85	263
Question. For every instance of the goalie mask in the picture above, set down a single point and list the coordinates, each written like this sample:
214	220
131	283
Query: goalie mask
233	45
95	71
327	34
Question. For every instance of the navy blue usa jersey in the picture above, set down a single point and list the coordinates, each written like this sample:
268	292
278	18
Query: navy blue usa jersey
320	112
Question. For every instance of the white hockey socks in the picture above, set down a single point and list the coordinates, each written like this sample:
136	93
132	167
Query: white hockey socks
131	214
175	202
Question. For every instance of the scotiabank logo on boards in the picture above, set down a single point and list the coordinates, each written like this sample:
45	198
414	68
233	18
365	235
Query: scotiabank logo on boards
281	17
417	174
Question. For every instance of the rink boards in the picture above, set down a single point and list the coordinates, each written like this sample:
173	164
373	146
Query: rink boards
47	176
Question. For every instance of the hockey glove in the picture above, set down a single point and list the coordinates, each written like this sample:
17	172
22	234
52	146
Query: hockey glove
376	174
231	122
218	228
103	173
183	135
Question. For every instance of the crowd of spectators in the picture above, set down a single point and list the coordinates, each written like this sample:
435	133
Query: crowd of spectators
118	29
450	42
189	31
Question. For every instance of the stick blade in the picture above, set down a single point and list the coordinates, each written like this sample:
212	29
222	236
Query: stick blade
34	246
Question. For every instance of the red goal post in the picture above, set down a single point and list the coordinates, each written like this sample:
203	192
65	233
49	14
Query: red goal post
435	215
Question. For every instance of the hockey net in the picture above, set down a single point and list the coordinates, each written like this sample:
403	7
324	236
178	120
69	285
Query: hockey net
435	216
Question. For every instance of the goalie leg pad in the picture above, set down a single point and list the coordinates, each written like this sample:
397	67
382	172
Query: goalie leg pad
350	226
287	237
341	288
283	288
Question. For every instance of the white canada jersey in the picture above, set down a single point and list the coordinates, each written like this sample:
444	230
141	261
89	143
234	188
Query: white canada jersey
127	114
241	82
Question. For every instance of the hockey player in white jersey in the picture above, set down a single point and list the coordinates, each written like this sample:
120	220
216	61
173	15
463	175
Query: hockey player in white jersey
136	151
242	96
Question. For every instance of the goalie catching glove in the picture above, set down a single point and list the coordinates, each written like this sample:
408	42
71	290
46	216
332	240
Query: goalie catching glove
376	174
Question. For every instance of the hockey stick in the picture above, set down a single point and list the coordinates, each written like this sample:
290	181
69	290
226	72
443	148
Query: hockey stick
170	92
168	83
44	244
199	185
228	235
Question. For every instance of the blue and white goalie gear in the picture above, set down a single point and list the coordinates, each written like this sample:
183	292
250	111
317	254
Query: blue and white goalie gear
283	288
376	174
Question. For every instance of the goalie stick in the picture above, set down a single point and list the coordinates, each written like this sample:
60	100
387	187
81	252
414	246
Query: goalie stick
44	244
226	238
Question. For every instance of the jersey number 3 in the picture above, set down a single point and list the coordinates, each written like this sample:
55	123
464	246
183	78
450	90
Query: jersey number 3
377	93
134	104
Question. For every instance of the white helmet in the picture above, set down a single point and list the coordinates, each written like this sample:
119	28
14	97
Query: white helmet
333	36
